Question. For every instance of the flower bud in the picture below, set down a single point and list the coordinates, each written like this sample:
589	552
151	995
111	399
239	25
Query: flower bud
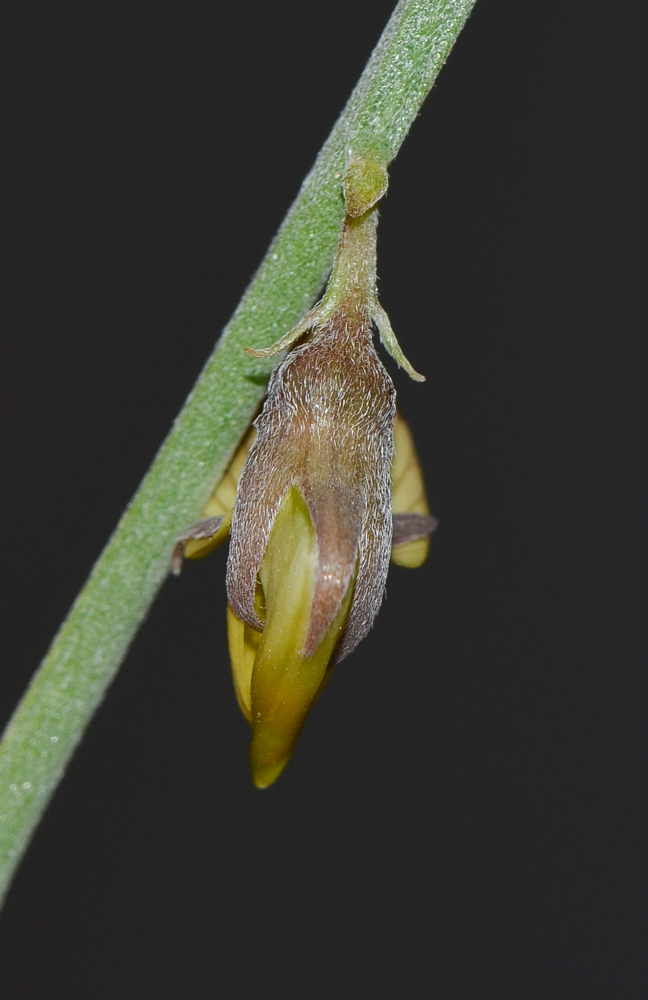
313	525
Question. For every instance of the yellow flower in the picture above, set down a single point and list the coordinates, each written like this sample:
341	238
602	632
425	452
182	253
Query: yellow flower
320	502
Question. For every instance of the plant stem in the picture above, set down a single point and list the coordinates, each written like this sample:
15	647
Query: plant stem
85	655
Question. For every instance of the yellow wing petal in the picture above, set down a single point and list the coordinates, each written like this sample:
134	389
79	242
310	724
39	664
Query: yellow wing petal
243	645
408	493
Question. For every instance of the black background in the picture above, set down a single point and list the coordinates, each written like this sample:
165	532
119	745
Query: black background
465	815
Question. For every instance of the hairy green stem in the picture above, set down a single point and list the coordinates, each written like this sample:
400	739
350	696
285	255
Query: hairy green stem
92	642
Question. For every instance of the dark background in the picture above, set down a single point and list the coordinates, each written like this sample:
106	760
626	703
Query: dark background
465	815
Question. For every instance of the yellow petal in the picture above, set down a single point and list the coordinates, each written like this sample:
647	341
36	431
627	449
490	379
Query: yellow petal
408	493
221	502
284	683
243	645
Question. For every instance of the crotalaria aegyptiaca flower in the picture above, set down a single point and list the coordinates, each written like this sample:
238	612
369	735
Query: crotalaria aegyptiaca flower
322	502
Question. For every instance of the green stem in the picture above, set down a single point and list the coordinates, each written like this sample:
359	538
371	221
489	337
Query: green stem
85	655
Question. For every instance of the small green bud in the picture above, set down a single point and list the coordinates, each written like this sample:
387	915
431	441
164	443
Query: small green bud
365	183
